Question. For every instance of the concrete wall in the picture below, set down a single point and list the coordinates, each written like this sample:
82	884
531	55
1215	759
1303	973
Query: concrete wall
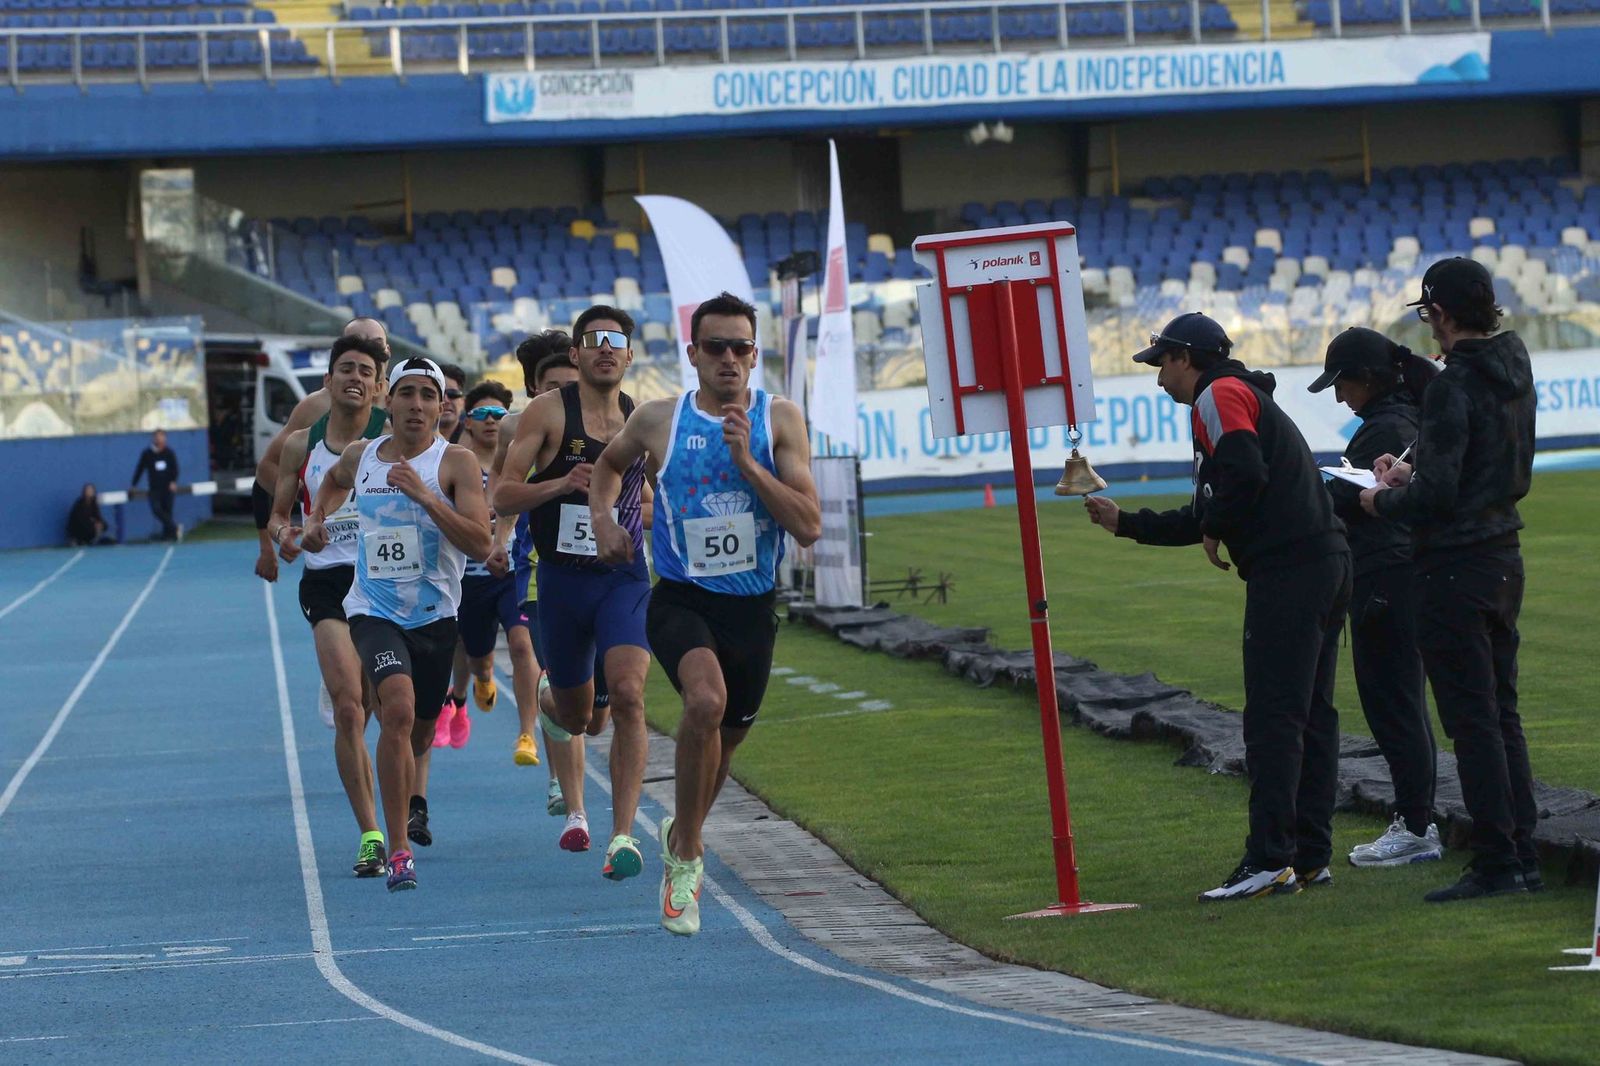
939	170
51	472
42	207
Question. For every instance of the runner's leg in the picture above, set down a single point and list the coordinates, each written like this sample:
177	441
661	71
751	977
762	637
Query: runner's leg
699	755
625	667
341	673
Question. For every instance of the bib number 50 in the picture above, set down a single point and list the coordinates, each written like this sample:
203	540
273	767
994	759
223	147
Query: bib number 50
722	545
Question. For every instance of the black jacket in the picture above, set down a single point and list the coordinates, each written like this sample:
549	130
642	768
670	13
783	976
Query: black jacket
1256	487
1388	426
163	468
1474	456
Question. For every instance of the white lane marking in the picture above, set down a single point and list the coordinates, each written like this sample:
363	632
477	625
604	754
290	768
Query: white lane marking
875	705
13	960
30	1039
474	936
848	695
31	593
316	915
91	958
801	679
779	671
175	964
761	935
77	693
822	688
312	1021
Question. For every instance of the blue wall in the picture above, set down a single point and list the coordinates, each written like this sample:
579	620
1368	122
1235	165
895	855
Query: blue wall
44	476
439	110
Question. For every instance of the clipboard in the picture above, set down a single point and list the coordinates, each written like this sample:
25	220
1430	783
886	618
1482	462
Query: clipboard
1345	472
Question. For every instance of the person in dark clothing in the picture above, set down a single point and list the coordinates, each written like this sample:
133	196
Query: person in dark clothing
1472	462
162	465
85	525
1383	383
1259	494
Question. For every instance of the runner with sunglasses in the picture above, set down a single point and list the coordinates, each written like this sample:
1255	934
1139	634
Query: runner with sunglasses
588	608
489	589
733	473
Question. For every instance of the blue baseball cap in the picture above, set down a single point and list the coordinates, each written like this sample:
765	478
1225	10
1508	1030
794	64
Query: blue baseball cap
1192	332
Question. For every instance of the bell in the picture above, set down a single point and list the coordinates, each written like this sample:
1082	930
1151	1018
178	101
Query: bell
1078	478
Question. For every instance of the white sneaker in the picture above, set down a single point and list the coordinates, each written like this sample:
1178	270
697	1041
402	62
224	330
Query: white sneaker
325	705
575	837
1247	882
1399	846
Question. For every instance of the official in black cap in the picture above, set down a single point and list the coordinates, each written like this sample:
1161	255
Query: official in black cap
1472	462
1258	492
1383	383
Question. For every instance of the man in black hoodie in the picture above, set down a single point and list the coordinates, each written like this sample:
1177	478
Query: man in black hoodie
161	462
1473	461
1258	492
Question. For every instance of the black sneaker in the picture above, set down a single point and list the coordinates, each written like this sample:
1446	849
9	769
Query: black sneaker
1313	876
1475	884
373	860
417	827
1532	876
1247	882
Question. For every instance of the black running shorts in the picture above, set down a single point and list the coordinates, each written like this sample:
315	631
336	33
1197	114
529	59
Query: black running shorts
741	630
425	654
488	605
322	592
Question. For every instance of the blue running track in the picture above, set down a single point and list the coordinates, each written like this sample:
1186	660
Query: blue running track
176	883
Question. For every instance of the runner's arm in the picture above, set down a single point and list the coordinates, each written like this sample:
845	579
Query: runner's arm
466	525
638	438
307	411
331	494
292	458
791	496
513	495
502	448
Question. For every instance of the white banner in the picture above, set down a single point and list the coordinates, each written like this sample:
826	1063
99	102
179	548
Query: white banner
836	555
701	262
1138	423
834	386
1007	77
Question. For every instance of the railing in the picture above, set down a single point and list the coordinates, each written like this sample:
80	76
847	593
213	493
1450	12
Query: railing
723	47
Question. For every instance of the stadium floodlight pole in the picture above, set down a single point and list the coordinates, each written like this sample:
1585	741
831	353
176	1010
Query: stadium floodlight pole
1044	664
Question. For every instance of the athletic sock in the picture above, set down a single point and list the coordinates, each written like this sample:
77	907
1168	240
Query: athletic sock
372	834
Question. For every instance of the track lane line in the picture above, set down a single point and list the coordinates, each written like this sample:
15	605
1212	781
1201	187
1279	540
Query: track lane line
82	686
31	593
316	914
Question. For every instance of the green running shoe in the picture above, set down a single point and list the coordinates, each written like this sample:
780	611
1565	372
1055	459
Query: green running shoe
622	858
555	804
680	888
373	860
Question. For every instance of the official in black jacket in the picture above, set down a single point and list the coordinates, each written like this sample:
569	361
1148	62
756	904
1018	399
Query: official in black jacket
161	463
1473	461
1258	493
1383	384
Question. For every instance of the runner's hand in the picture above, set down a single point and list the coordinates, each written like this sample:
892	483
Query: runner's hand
1217	561
288	549
499	562
611	541
267	564
403	476
577	479
314	537
1103	512
736	434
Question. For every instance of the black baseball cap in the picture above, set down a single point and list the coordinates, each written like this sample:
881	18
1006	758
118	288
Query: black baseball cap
1453	285
1193	331
1357	348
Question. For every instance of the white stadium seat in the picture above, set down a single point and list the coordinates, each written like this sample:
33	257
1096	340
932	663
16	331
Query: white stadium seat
503	277
1575	237
1238	255
350	284
1314	264
1487	254
384	299
1480	227
1269	238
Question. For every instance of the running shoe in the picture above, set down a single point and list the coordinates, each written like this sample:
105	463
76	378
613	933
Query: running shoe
1532	876
325	705
372	861
484	694
1314	876
555	804
575	837
402	872
1249	882
622	858
442	725
680	888
1399	846
461	728
1475	884
527	753
417	827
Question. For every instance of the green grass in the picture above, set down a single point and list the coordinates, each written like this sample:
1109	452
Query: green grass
941	800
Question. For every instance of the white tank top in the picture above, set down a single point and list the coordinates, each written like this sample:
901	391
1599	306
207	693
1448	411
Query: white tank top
406	570
343	525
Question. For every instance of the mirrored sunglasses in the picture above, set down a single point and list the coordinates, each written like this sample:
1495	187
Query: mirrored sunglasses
486	412
596	337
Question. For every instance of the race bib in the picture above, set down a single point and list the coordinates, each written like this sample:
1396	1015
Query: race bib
343	525
725	544
575	531
394	553
161	465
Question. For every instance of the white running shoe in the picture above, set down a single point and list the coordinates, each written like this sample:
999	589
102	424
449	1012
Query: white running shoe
1399	846
325	705
575	837
1247	882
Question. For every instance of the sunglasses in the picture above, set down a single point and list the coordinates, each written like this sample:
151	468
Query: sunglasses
486	412
453	394
596	337
1168	342
1423	313
718	345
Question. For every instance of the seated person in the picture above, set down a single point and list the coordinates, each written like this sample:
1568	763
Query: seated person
85	526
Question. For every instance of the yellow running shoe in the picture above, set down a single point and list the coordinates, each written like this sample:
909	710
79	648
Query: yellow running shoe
484	692
680	888
527	753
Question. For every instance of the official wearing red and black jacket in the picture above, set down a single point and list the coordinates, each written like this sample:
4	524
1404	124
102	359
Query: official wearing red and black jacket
1258	493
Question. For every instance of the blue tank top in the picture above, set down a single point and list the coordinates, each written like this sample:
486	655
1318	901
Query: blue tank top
712	530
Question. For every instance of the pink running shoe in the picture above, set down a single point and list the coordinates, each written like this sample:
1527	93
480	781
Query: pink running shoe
442	728
461	728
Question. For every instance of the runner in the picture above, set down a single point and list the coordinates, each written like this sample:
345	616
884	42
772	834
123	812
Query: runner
355	376
454	727
421	507
588	608
733	473
305	413
489	589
